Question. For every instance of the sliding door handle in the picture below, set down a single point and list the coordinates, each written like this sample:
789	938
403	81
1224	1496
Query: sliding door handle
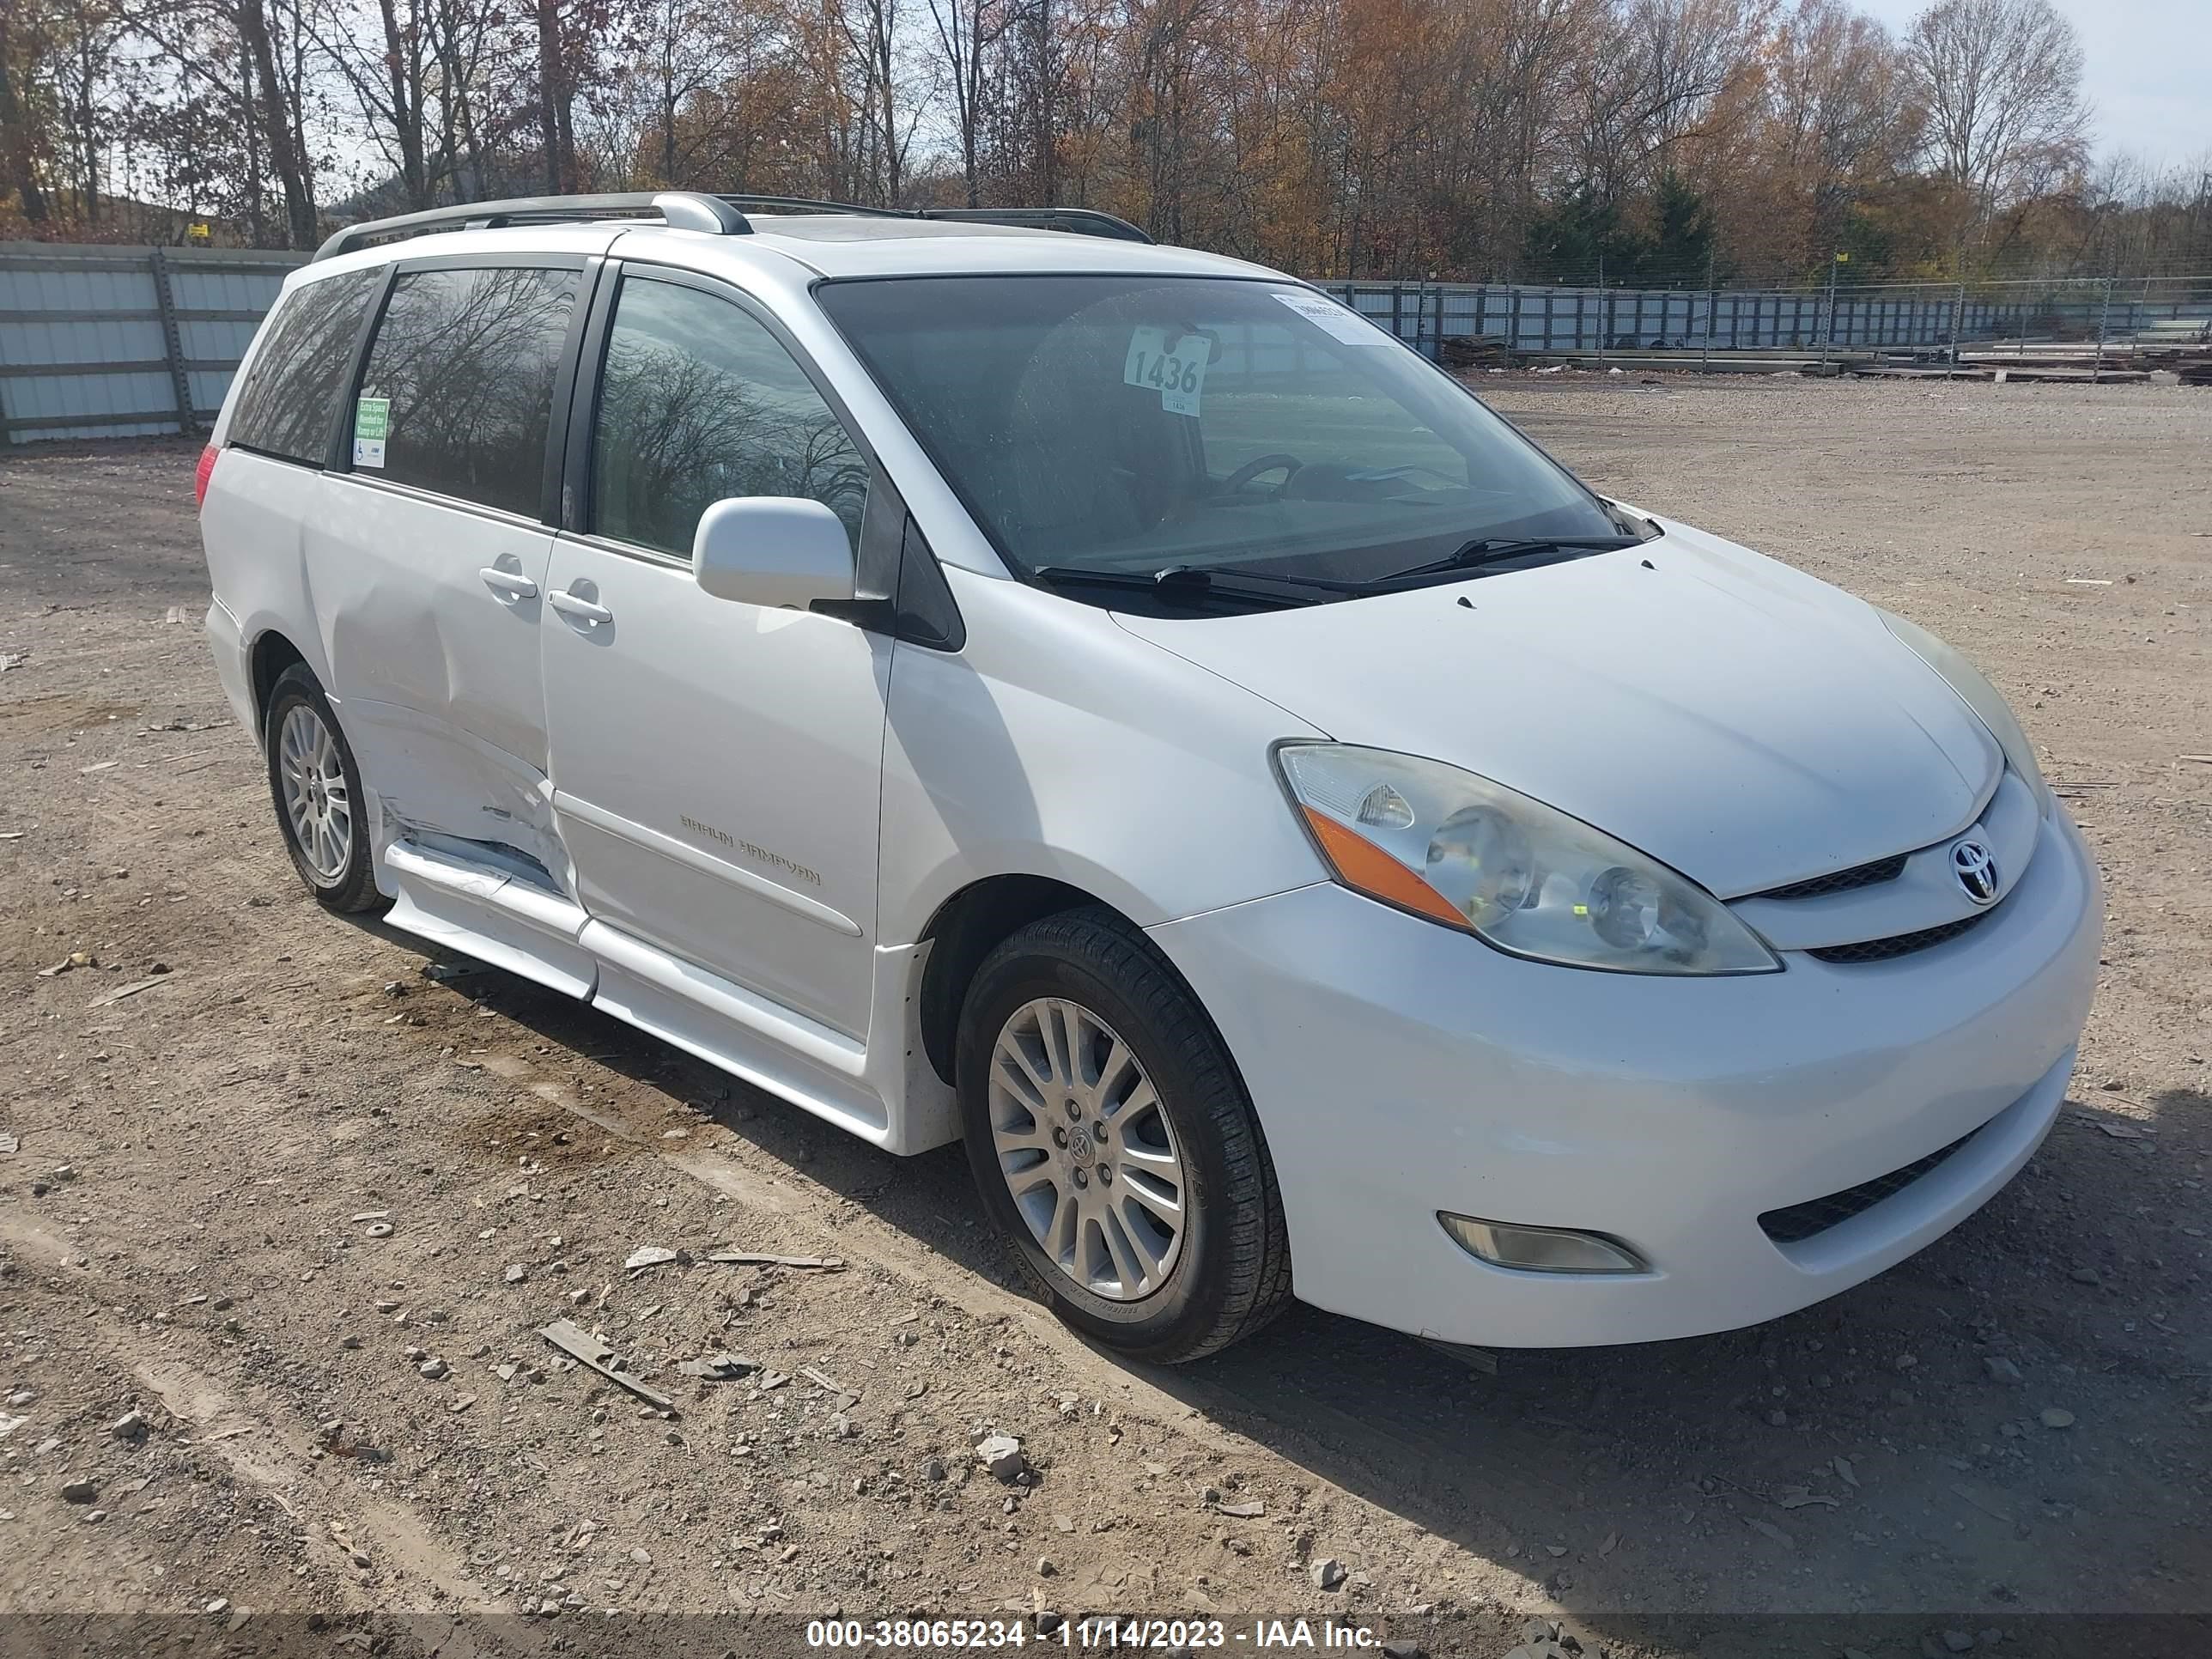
584	611
509	584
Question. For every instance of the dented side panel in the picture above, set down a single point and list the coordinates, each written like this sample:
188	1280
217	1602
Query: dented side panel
437	667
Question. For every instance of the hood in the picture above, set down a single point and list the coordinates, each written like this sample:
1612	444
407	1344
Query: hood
1728	715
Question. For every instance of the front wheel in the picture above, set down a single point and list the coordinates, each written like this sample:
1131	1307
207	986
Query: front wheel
1112	1143
316	786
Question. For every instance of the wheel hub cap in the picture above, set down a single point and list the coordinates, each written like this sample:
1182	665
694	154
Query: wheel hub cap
310	779
1086	1150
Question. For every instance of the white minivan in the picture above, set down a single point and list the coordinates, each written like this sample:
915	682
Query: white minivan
1115	706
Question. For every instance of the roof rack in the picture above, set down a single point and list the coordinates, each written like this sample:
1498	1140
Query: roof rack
1080	221
691	210
683	209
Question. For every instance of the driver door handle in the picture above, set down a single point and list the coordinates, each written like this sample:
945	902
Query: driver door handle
583	610
509	584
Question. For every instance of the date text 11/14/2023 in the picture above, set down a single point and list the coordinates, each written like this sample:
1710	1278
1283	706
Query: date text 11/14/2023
1099	1633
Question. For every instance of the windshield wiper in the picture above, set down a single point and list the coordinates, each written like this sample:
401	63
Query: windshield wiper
1483	550
1182	582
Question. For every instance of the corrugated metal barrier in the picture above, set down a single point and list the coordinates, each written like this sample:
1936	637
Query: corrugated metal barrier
124	341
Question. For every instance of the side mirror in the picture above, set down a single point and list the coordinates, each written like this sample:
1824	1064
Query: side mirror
773	551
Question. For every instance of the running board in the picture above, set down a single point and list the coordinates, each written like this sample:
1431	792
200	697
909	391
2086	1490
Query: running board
488	914
765	1044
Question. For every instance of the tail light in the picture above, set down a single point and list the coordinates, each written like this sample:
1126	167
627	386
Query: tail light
200	479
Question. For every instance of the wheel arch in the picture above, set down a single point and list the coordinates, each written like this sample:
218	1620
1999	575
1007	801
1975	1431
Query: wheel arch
966	928
271	655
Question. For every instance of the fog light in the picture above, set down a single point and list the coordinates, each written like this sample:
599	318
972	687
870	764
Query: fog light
1540	1250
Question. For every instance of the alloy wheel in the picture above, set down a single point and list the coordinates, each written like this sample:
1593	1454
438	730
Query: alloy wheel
1087	1151
317	803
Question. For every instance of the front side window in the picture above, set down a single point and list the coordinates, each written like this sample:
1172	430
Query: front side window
1133	425
457	393
699	402
291	393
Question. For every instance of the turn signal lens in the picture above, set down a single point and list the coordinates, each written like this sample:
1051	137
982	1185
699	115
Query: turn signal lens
1540	1250
200	479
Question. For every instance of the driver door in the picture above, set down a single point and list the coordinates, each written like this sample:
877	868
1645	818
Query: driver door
717	766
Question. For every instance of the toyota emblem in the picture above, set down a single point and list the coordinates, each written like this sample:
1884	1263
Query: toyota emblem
1976	868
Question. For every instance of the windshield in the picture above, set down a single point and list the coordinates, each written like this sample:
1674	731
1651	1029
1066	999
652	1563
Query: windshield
1132	425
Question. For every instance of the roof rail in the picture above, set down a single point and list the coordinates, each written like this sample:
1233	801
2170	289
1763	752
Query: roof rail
683	209
809	205
1079	221
691	210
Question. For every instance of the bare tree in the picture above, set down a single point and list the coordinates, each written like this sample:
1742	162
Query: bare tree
2001	81
967	33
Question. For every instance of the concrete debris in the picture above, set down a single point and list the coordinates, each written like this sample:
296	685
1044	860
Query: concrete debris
752	1259
1327	1573
588	1349
720	1367
1247	1511
2053	1416
1001	1454
647	1255
130	1426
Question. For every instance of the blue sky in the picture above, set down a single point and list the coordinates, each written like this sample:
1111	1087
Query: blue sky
2146	70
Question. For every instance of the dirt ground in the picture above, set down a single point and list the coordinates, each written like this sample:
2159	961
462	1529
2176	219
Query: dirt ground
269	1174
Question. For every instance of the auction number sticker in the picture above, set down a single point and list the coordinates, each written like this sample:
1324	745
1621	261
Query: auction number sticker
1176	372
372	425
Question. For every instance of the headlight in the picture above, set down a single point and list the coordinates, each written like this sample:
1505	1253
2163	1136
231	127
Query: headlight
1472	855
1975	690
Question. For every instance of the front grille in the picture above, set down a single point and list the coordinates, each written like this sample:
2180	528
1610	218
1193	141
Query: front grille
1799	1222
1898	945
1841	881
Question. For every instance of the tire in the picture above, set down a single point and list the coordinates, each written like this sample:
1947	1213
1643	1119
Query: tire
306	774
1155	1293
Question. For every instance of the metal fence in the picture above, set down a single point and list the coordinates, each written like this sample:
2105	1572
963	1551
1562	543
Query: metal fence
1933	318
125	342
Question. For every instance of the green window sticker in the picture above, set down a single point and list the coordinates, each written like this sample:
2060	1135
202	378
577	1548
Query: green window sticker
372	425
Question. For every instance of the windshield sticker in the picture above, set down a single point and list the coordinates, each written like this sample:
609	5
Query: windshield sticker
372	425
1177	373
1334	321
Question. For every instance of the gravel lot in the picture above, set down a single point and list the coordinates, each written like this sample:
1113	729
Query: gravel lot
274	1174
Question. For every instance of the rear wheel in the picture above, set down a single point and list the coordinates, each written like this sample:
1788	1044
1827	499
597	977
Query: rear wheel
315	784
1112	1143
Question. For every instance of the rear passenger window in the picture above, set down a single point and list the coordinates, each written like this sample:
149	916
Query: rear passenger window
458	389
291	393
699	402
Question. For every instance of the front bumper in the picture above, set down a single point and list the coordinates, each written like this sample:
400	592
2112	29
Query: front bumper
1400	1069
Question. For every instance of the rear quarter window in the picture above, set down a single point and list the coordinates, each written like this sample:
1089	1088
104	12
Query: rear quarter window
461	378
290	397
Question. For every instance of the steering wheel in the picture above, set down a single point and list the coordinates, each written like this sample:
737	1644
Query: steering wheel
1252	469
